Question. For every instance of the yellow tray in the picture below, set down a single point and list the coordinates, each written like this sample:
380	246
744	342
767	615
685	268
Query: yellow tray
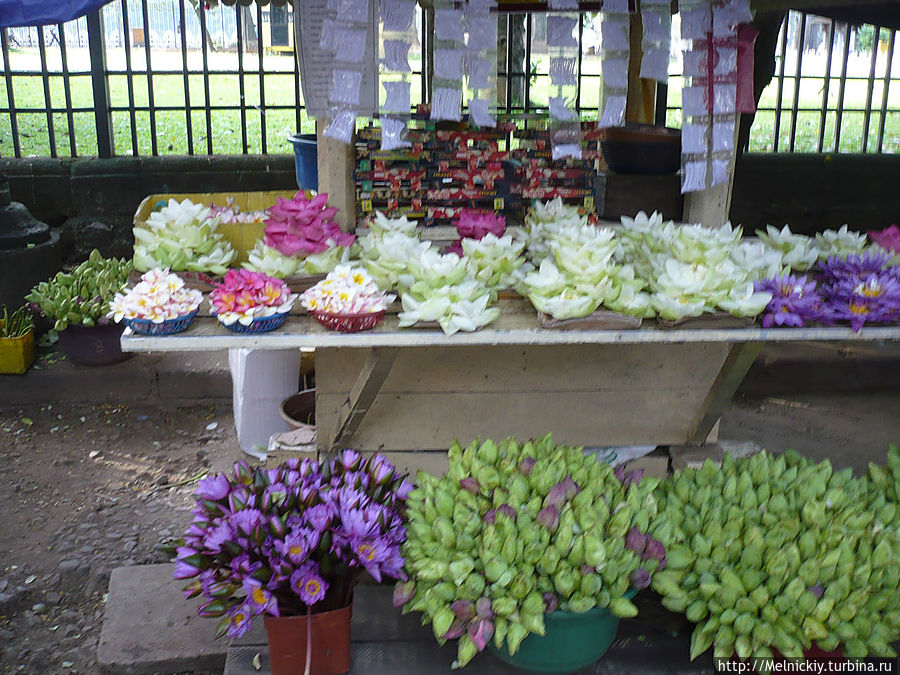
241	236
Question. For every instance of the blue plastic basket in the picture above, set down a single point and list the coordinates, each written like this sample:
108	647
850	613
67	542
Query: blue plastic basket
167	327
262	325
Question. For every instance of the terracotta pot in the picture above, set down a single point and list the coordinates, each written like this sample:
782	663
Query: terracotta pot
330	642
95	346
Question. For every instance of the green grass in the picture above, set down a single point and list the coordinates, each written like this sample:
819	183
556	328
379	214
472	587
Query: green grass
171	126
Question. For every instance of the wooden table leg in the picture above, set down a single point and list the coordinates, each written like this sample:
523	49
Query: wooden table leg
374	372
740	357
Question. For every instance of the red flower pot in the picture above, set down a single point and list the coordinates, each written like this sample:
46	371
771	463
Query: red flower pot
330	642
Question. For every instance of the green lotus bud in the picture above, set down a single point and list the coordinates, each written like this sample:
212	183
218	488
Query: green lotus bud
549	561
443	503
881	556
696	611
675	604
624	608
830	643
594	551
564	580
581	604
769	613
465	652
823	609
459	569
503	606
701	546
701	640
679	557
763	633
591	584
473	586
501	625
814	630
856	649
619	523
487	453
441	621
514	636
433	570
520	586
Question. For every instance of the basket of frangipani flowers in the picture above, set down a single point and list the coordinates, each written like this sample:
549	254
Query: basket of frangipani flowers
251	302
347	300
290	544
159	304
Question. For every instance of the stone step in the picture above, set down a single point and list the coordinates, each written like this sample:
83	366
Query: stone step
149	627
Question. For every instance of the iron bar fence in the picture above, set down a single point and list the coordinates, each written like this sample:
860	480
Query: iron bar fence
174	78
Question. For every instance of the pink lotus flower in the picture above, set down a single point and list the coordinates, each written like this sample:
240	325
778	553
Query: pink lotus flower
888	238
302	226
474	224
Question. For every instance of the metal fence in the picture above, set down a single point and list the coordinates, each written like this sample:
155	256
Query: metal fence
150	77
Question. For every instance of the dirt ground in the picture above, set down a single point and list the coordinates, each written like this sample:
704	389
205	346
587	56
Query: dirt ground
87	489
84	490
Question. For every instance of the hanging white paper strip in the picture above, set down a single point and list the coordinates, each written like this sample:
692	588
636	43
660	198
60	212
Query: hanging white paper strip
350	30
562	45
709	35
481	61
399	35
656	16
616	51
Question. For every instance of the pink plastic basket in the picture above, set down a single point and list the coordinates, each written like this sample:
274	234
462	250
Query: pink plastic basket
348	323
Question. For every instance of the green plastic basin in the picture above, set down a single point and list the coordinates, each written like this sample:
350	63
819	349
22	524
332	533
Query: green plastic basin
571	641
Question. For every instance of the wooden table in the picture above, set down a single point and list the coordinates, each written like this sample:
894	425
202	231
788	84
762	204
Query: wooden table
410	392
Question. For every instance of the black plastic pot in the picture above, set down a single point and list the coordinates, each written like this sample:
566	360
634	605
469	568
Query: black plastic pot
642	149
96	346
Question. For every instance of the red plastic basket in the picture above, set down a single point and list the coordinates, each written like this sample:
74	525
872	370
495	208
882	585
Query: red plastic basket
348	323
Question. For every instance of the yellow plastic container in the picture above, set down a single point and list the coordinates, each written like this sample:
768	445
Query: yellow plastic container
17	354
241	236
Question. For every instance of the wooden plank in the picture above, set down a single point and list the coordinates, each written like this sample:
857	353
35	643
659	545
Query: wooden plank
424	421
740	358
509	329
409	462
504	368
336	162
362	394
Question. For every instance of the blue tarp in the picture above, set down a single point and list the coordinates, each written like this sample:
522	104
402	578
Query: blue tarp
44	12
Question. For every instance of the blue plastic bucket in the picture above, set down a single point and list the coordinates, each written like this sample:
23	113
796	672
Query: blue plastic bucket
305	160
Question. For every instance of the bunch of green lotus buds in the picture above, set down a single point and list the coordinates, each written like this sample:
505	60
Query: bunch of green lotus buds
778	553
885	481
82	296
515	530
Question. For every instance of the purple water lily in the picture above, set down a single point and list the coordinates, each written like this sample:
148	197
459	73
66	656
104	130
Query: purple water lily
274	541
308	585
213	488
794	301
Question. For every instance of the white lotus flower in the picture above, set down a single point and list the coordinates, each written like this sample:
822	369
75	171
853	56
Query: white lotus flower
842	242
381	224
630	301
547	280
569	304
678	307
469	315
427	309
800	252
758	260
438	269
745	301
272	262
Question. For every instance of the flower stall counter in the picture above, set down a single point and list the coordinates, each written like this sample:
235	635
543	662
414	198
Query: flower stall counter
412	390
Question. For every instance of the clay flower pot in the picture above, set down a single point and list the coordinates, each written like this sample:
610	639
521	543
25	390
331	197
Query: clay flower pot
94	346
330	632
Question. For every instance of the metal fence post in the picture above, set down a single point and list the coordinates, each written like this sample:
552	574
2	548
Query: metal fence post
100	85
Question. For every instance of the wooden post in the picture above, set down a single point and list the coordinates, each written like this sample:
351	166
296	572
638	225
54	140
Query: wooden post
640	104
336	163
711	206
